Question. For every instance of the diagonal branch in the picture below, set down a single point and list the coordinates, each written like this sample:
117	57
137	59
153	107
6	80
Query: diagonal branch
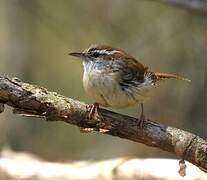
31	100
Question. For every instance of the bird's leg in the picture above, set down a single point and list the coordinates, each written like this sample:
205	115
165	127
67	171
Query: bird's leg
92	109
142	117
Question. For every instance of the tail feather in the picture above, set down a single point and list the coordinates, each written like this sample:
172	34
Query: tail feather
159	76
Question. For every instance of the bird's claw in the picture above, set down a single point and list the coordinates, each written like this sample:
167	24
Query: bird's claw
92	109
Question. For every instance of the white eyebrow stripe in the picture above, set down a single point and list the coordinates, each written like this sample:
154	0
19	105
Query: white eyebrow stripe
112	52
104	51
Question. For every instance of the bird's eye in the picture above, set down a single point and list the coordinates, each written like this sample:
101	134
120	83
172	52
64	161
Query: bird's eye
96	54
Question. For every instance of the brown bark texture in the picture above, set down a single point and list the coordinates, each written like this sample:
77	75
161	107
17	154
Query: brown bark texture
31	100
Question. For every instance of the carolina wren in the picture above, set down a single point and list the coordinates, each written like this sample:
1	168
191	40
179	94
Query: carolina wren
113	78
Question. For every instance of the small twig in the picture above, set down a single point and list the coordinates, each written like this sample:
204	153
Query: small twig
182	170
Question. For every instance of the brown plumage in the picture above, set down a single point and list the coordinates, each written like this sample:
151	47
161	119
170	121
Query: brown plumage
116	79
160	76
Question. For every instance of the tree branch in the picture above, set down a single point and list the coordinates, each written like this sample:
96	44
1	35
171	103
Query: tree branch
199	6
31	100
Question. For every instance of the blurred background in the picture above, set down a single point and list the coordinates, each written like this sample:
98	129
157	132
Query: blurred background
36	36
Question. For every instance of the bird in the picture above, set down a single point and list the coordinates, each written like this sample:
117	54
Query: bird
113	78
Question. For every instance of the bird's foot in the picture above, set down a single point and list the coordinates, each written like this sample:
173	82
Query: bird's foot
92	110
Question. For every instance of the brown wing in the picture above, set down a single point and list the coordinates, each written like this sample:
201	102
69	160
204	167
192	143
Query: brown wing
159	76
132	73
120	54
133	66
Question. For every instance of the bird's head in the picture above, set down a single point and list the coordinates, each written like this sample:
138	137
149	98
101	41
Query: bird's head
100	53
104	54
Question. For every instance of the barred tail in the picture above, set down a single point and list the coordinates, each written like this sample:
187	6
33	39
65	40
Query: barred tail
159	76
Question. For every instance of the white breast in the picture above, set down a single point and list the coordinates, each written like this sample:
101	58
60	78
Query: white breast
106	90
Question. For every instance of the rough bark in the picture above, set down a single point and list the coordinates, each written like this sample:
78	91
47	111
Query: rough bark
31	100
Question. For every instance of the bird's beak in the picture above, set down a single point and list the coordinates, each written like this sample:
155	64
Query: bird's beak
77	54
